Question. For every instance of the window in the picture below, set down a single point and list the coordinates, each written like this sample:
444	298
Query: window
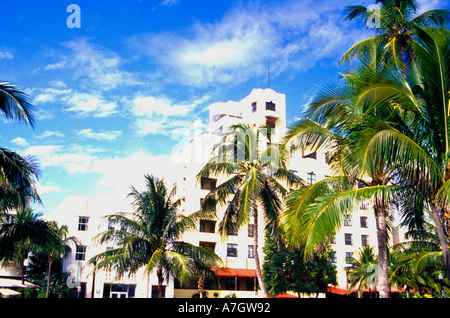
232	284
218	131
349	258
217	117
363	204
232	231
155	291
348	239
80	254
347	220
312	155
254	107
364	221
333	256
327	157
365	240
270	106
311	178
208	183
83	223
332	239
251	230
208	206
232	250
110	225
207	226
251	251
209	245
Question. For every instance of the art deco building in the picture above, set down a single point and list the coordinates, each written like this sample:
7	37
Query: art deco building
238	275
262	106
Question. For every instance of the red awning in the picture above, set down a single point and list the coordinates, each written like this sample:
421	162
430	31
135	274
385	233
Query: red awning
285	296
337	290
236	272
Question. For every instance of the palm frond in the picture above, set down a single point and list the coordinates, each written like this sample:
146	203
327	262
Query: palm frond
14	104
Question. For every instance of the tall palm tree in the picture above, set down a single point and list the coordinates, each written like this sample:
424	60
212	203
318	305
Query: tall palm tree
23	234
149	236
395	26
423	152
18	174
55	248
338	119
257	181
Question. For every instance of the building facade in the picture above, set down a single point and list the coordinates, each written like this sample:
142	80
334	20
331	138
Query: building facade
262	106
85	217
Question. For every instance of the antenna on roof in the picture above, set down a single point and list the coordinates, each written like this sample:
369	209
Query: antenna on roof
268	72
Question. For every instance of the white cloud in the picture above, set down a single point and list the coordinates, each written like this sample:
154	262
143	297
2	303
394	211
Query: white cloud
104	135
170	3
57	156
86	104
160	115
150	106
50	95
426	5
58	84
293	36
6	54
94	66
50	133
21	142
119	174
45	189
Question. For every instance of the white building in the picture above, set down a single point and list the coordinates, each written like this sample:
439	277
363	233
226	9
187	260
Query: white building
85	219
239	276
263	106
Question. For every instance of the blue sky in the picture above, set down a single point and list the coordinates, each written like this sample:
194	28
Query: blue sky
115	96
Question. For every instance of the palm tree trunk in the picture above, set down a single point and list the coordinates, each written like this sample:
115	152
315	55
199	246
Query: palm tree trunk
380	215
200	286
24	269
257	263
50	261
93	281
160	283
435	210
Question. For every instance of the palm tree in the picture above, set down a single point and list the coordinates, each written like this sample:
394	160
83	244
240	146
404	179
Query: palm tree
253	187
14	104
395	27
18	174
148	238
25	233
56	248
418	262
363	270
338	119
422	151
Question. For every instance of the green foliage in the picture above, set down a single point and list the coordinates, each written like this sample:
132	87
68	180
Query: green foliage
288	270
38	272
149	238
